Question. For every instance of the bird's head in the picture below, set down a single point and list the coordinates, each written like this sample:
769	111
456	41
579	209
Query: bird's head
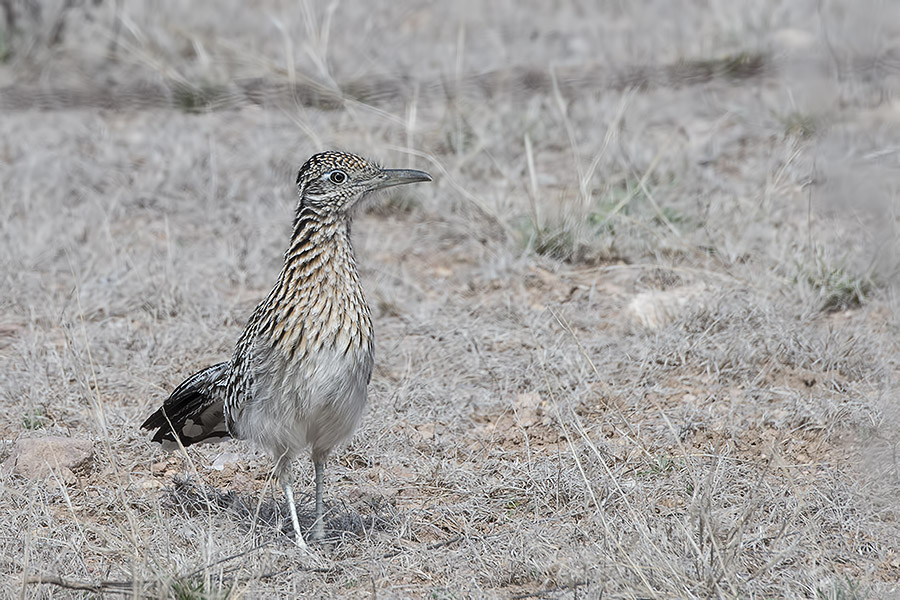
332	182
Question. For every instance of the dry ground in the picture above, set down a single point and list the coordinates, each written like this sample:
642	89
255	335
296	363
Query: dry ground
636	341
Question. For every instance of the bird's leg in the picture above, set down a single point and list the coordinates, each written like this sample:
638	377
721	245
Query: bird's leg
319	527
285	477
289	494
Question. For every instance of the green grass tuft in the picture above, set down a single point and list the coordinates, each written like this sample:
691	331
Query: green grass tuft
800	125
843	589
34	419
836	286
196	589
196	98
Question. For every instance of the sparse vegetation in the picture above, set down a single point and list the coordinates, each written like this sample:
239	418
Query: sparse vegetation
835	287
569	238
196	98
843	589
738	66
625	347
33	419
5	50
197	589
801	125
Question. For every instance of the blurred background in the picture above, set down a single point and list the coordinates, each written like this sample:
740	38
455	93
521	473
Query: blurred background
639	338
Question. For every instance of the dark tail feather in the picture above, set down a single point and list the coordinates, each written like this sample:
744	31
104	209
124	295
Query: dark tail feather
194	412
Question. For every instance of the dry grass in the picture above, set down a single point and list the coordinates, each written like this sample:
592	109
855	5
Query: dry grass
530	434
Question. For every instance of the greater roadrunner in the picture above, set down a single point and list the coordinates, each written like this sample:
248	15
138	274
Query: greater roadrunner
299	372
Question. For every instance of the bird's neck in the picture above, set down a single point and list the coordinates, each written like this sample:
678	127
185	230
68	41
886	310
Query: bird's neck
317	299
316	233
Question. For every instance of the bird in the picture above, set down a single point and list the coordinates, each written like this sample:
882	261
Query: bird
298	376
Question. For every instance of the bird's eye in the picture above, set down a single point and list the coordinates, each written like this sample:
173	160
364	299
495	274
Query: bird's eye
338	177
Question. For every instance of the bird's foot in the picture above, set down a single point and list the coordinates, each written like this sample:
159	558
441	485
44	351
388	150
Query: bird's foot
300	542
318	532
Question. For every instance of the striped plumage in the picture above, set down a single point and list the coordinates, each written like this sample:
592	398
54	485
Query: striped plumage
299	372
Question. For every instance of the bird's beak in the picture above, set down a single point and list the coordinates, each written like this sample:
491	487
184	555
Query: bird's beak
392	177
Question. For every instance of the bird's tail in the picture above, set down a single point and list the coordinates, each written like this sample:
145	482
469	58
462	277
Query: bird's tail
194	412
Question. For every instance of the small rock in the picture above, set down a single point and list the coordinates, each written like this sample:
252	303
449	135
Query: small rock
528	408
656	309
226	459
429	431
149	484
37	458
